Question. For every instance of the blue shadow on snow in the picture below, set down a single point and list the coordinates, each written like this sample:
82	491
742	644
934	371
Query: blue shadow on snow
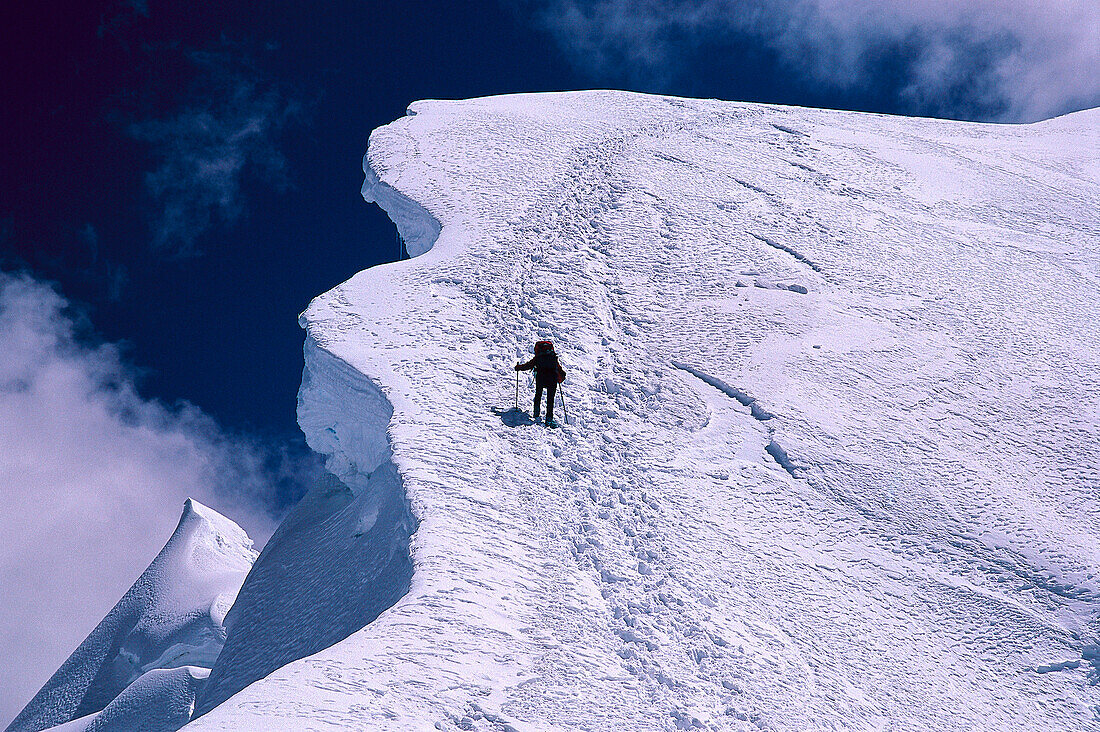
513	417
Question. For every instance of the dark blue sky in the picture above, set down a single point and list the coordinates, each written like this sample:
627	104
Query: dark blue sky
208	304
188	173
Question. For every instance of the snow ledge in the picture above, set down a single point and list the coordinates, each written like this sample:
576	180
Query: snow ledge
417	227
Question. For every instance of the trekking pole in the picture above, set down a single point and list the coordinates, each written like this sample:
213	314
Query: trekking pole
517	390
561	395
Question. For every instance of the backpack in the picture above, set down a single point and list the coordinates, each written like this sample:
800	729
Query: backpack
548	347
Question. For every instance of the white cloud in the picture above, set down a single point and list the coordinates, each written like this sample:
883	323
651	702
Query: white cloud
1003	59
92	481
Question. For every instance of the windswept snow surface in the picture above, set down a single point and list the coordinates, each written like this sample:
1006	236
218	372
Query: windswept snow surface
142	665
833	450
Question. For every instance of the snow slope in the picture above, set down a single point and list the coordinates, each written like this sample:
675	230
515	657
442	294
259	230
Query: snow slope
833	447
142	665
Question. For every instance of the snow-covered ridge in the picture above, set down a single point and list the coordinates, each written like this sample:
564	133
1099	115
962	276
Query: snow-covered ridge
833	448
143	664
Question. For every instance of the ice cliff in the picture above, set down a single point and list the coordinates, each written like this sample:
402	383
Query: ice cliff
342	556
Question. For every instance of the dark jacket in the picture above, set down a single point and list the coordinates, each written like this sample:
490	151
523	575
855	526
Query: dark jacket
546	366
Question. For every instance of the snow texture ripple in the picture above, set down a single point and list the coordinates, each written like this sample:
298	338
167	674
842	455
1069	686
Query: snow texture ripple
833	453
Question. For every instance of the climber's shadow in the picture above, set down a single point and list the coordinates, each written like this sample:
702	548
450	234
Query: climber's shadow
512	417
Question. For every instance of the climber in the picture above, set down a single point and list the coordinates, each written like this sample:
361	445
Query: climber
548	374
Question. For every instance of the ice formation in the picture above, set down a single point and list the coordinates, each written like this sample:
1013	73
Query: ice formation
142	665
342	556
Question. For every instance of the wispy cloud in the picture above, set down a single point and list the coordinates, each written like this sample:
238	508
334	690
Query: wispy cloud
993	59
111	277
227	130
92	480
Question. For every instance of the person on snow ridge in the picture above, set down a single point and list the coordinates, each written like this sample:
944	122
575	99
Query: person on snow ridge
548	374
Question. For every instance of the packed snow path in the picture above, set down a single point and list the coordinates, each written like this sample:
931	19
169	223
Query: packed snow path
833	450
